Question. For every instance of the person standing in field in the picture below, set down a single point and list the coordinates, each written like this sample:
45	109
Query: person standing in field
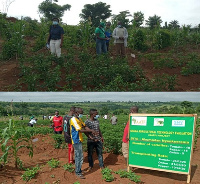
55	38
77	127
108	34
94	141
125	140
100	39
113	120
120	35
57	122
67	134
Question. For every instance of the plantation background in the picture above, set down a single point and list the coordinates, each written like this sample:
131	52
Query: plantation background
166	59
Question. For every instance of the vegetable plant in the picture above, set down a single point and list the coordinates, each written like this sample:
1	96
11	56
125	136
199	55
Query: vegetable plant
30	173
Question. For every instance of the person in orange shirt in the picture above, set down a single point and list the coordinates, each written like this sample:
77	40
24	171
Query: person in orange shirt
125	139
57	123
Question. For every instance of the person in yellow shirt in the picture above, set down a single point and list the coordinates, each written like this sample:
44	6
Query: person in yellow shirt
77	127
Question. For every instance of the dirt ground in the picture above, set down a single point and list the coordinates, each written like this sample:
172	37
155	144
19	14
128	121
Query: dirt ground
10	72
44	151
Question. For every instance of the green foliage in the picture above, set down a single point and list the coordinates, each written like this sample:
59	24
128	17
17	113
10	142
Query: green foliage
13	141
59	140
30	173
14	46
122	17
53	163
130	175
138	19
51	10
69	167
162	39
107	174
96	12
139	39
153	21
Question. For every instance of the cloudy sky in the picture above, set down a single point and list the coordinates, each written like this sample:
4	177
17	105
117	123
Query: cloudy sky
99	96
185	11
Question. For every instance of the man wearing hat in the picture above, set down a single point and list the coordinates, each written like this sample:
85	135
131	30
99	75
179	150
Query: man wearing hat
101	39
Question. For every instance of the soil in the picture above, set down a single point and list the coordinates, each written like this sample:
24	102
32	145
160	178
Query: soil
44	151
10	70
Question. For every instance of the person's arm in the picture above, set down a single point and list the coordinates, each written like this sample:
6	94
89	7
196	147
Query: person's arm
114	34
125	33
61	43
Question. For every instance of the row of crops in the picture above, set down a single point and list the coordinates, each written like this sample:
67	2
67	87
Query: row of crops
80	69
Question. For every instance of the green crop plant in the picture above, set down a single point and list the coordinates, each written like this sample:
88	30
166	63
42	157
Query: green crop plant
130	175
107	174
59	140
69	167
13	141
30	173
53	163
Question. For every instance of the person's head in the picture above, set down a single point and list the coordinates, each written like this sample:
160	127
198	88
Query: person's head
72	109
57	113
78	112
94	114
134	109
119	24
55	21
108	24
102	24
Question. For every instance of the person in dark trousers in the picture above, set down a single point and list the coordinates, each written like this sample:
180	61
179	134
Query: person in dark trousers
108	34
55	38
67	134
94	141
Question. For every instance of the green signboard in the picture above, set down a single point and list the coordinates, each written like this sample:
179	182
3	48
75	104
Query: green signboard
161	142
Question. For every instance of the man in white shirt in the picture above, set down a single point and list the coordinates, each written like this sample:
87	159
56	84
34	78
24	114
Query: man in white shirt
32	122
120	36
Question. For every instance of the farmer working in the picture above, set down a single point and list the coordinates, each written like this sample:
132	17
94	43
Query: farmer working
55	38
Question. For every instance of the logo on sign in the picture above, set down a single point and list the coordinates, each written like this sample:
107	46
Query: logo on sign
178	123
140	121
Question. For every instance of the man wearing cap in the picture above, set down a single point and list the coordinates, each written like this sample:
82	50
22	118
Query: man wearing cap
55	38
100	39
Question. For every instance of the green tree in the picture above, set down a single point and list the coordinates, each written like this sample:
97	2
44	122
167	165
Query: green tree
123	17
174	24
51	9
154	21
138	19
95	12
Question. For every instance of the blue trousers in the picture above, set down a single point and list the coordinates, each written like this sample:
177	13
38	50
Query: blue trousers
78	150
101	46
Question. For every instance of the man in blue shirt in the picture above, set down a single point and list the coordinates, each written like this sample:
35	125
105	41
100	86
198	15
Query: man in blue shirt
55	38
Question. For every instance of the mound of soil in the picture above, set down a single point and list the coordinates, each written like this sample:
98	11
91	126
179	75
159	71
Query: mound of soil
44	151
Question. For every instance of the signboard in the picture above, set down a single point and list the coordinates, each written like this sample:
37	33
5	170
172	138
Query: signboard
161	141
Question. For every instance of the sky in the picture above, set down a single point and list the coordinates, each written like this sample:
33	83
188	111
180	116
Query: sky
99	96
187	12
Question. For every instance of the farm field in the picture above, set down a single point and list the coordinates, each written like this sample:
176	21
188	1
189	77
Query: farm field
47	147
44	151
165	60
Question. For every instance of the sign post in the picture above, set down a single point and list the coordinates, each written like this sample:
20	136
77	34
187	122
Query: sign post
162	142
